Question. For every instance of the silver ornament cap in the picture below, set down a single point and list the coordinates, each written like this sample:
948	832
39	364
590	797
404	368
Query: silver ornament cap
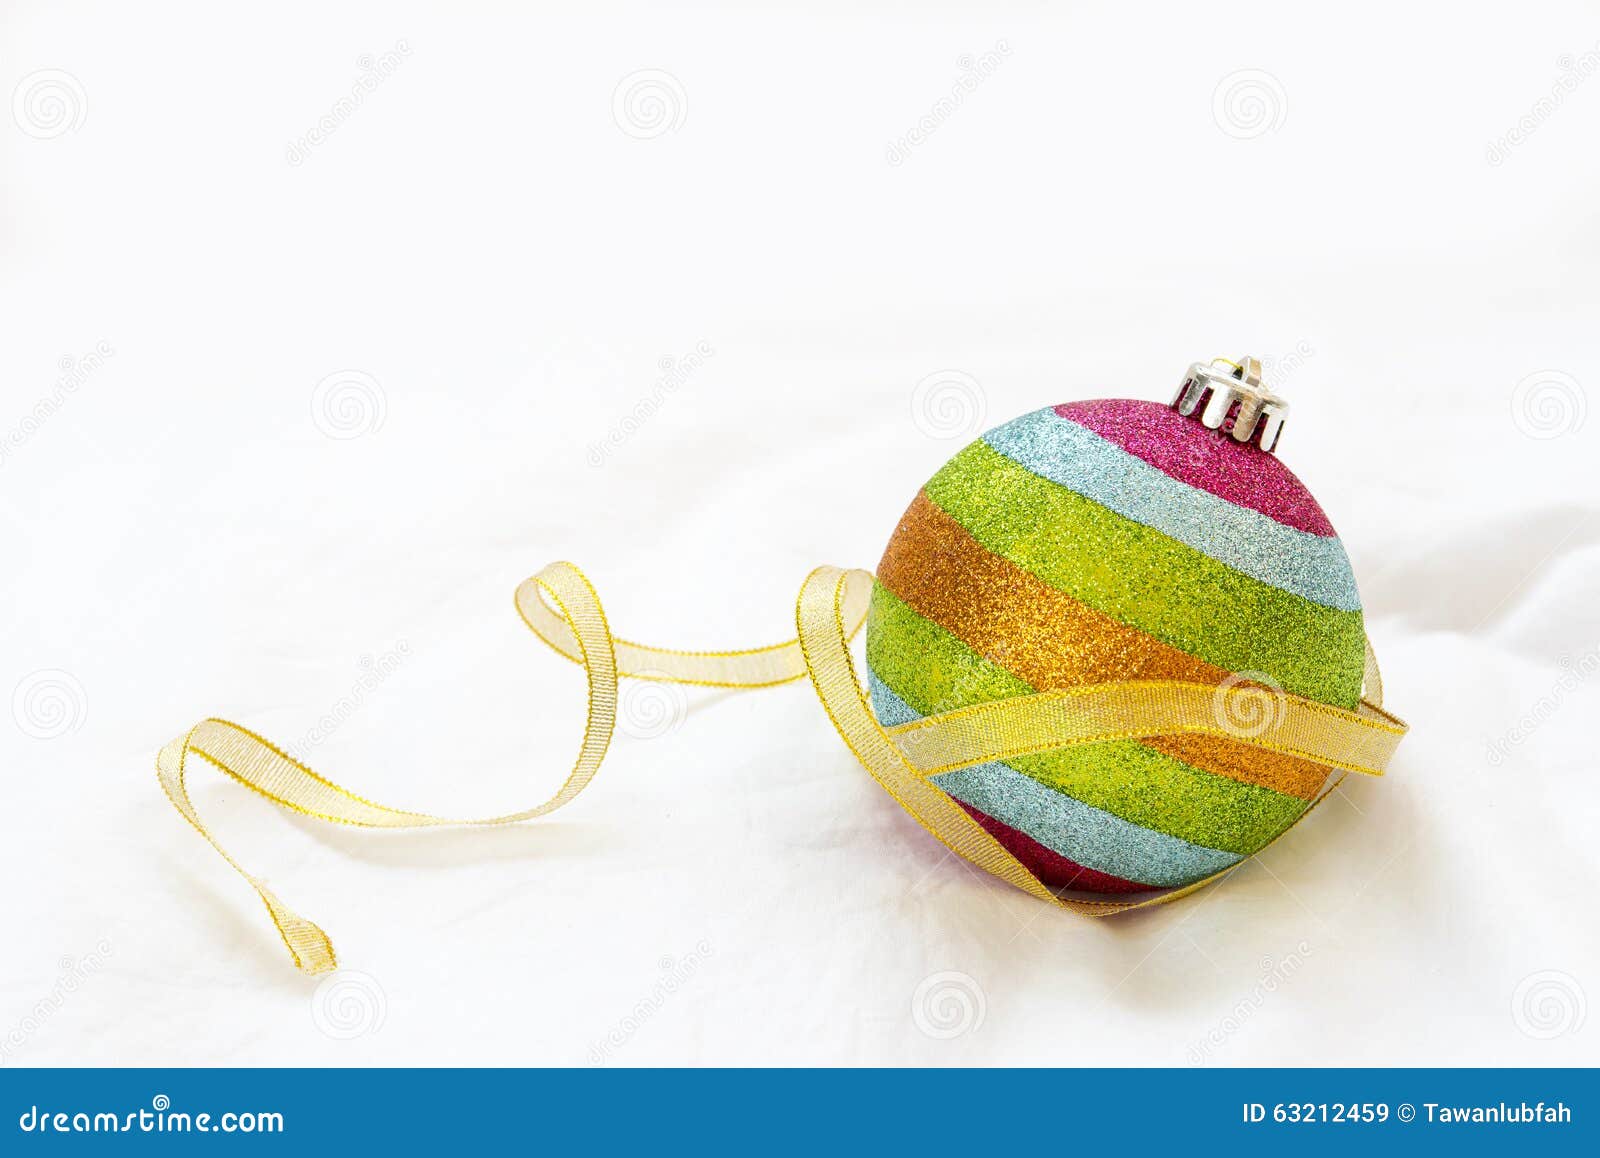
1228	396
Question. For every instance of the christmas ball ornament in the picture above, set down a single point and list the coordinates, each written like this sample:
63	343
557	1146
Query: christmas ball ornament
1114	648
1122	540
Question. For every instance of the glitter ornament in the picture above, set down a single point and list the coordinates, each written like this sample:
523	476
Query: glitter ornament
1116	540
1114	648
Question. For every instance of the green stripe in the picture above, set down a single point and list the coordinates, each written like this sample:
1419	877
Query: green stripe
1151	581
934	672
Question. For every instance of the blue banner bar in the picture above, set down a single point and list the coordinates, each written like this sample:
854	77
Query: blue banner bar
810	1112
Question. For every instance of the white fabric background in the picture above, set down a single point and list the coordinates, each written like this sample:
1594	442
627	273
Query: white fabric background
484	240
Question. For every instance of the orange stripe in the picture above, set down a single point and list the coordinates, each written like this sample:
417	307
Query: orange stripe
1051	640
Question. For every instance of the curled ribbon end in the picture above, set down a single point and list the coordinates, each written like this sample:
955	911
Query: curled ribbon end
313	952
307	943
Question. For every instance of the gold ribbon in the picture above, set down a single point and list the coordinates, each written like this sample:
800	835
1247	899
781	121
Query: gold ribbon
561	607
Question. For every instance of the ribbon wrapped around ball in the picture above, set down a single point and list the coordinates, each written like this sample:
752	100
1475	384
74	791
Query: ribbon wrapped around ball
1114	649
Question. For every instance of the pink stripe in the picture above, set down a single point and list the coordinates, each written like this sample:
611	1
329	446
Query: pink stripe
1243	475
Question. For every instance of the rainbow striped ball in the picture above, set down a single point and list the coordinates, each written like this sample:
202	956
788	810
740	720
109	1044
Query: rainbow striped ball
1114	540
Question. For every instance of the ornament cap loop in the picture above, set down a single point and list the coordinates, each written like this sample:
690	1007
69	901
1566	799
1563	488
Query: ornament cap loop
1228	396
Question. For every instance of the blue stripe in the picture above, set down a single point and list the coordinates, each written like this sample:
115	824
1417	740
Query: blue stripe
1089	836
1314	567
